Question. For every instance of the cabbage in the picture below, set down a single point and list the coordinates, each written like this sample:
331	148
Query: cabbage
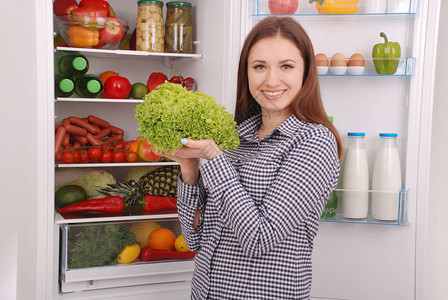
135	173
90	179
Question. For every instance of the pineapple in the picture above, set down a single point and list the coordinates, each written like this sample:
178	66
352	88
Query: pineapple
159	182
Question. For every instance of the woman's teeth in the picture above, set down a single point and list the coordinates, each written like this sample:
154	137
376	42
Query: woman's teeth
272	94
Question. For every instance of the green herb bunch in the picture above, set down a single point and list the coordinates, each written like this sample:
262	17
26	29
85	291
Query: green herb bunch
171	113
97	245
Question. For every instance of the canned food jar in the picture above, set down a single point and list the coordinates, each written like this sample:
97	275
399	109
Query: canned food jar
178	28
150	27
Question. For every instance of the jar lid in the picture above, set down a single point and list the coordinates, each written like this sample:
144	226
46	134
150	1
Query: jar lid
93	86
388	134
150	2
356	134
66	85
79	63
181	3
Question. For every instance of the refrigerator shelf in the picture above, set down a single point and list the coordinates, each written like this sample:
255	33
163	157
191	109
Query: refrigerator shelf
78	218
260	8
406	68
401	205
130	53
124	164
98	100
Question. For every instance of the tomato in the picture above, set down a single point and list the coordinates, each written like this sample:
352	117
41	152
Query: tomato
106	157
131	156
120	145
128	144
155	79
118	156
103	76
283	6
94	153
145	152
117	87
67	157
84	156
76	156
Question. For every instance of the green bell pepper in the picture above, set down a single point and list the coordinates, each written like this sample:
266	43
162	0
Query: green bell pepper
386	56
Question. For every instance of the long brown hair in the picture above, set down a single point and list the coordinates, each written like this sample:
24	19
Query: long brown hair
307	105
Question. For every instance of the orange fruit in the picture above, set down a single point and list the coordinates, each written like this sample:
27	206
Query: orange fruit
162	239
180	244
134	146
138	139
145	152
103	76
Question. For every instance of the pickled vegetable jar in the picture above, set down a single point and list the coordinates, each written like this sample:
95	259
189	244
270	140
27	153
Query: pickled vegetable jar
178	28
150	27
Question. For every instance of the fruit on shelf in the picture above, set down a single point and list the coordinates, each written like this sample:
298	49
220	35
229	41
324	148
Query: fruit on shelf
145	152
113	31
117	87
155	79
283	6
103	76
161	239
181	245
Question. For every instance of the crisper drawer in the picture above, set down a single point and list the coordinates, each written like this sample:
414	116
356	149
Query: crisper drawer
89	255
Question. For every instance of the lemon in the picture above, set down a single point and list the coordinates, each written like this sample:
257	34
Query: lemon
129	254
180	244
138	90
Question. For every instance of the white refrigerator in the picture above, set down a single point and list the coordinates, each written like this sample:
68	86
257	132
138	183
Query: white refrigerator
353	259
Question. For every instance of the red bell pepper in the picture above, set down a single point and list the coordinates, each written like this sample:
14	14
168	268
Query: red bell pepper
90	12
152	203
64	8
102	2
113	204
150	254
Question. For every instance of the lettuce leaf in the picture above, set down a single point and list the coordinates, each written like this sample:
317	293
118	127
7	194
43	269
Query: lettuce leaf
171	113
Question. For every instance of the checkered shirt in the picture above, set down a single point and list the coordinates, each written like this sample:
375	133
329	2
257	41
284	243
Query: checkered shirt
260	207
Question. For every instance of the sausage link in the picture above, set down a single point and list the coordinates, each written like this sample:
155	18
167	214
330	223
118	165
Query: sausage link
93	140
105	132
84	124
66	139
75	130
59	136
98	121
80	139
114	138
116	130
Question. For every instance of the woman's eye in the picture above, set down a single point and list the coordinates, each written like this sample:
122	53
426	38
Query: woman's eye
287	67
259	67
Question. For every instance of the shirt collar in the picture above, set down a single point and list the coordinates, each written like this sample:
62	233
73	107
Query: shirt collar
248	129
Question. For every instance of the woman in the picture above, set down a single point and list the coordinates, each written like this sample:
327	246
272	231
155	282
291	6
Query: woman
252	213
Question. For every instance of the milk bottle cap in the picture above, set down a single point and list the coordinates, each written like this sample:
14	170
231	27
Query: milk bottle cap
388	134
356	134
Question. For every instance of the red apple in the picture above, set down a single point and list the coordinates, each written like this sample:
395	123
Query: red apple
283	7
154	80
112	32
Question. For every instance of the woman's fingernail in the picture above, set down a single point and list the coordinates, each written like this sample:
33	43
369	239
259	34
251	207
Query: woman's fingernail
183	141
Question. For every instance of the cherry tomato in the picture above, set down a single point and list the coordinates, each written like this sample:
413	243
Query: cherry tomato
76	156
106	157
67	157
177	79
84	156
283	6
94	153
131	156
118	156
120	145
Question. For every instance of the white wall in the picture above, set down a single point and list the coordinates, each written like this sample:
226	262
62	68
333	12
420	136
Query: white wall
18	153
437	255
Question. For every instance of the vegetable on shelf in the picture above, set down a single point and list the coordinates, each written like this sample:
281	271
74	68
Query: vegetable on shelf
150	254
64	8
153	203
113	204
386	56
336	6
171	113
82	37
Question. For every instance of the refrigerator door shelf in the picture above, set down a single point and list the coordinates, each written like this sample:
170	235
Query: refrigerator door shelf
124	164
408	9
406	68
401	205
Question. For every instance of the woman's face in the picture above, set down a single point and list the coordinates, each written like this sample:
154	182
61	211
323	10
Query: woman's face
275	73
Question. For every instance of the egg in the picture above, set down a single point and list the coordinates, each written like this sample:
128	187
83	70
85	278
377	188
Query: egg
356	60
338	60
321	60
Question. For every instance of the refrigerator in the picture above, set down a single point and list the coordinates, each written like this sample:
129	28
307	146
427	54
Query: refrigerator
352	259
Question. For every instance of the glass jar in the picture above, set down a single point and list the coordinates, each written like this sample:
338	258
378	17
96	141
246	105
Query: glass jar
150	28
178	28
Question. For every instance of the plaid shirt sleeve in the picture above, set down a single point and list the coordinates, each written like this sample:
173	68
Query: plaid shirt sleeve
189	199
308	173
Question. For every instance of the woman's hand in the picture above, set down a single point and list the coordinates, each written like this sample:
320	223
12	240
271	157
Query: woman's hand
188	157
